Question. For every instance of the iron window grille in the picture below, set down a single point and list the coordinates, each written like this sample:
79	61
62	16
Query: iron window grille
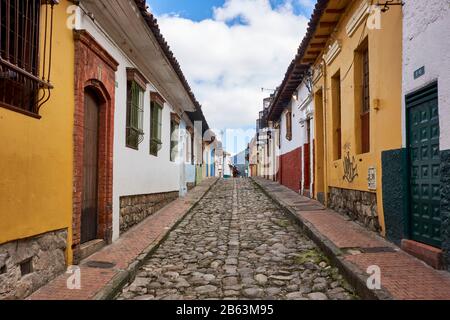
26	38
135	111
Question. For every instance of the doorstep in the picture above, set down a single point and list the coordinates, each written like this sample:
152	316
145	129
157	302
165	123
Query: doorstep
105	272
430	255
353	249
89	248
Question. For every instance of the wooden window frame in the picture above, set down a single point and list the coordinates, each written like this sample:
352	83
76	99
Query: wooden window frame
336	92
135	114
156	101
365	104
362	98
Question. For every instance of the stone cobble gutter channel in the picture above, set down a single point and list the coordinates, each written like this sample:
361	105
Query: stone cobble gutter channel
237	243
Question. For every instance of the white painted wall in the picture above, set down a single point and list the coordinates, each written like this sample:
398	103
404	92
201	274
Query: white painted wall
297	136
426	42
136	172
302	108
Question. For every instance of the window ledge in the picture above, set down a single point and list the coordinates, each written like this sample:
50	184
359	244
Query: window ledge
19	110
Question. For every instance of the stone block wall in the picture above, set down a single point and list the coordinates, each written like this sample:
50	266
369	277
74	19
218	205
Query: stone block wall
28	264
358	205
134	209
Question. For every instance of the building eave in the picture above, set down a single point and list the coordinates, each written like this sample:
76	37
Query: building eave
322	24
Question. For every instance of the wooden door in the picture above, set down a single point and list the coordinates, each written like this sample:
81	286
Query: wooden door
424	167
89	215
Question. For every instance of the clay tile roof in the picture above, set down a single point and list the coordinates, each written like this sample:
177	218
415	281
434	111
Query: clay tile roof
153	25
279	104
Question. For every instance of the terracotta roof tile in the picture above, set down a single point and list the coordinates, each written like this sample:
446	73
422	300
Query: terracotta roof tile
153	25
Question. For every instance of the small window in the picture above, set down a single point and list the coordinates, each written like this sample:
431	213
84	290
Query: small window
289	126
155	128
174	133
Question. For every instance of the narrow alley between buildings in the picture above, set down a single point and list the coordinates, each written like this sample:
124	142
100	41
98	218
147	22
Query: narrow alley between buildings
238	244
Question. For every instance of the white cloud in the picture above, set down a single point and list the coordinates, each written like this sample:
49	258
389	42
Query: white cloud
227	64
307	3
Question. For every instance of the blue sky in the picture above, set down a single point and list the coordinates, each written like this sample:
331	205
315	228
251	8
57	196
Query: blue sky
229	50
198	10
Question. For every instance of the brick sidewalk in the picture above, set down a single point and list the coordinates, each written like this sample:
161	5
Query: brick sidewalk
403	277
126	253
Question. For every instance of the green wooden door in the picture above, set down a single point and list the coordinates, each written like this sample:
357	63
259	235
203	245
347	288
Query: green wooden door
424	166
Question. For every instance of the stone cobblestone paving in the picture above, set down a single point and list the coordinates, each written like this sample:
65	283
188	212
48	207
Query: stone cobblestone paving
237	244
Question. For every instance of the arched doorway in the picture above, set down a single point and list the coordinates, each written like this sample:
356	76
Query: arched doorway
89	209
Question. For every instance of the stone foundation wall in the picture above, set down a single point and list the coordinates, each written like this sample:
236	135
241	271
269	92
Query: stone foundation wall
28	264
359	206
134	209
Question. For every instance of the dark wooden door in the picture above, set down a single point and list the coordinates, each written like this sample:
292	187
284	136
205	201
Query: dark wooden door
424	166
89	215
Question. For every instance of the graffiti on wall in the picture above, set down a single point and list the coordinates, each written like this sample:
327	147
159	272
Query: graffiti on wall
350	165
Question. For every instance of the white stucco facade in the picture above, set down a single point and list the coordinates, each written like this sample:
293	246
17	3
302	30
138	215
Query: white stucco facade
426	43
137	172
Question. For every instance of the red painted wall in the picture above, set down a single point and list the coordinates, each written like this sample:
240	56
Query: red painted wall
291	169
307	168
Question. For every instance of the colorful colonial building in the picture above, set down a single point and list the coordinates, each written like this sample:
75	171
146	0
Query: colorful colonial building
355	53
133	96
36	153
290	115
416	177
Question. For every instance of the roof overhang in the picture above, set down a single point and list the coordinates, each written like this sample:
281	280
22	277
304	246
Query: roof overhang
323	22
136	33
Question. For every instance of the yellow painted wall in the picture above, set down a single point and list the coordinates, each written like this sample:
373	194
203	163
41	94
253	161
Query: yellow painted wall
36	155
385	56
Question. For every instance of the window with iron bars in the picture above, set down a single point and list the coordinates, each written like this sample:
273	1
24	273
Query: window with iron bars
135	111
24	76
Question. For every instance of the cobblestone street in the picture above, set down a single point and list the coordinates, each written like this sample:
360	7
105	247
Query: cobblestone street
237	244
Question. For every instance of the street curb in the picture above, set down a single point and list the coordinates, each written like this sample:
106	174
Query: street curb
354	276
123	277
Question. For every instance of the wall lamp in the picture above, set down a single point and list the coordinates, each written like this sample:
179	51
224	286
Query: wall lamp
385	5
